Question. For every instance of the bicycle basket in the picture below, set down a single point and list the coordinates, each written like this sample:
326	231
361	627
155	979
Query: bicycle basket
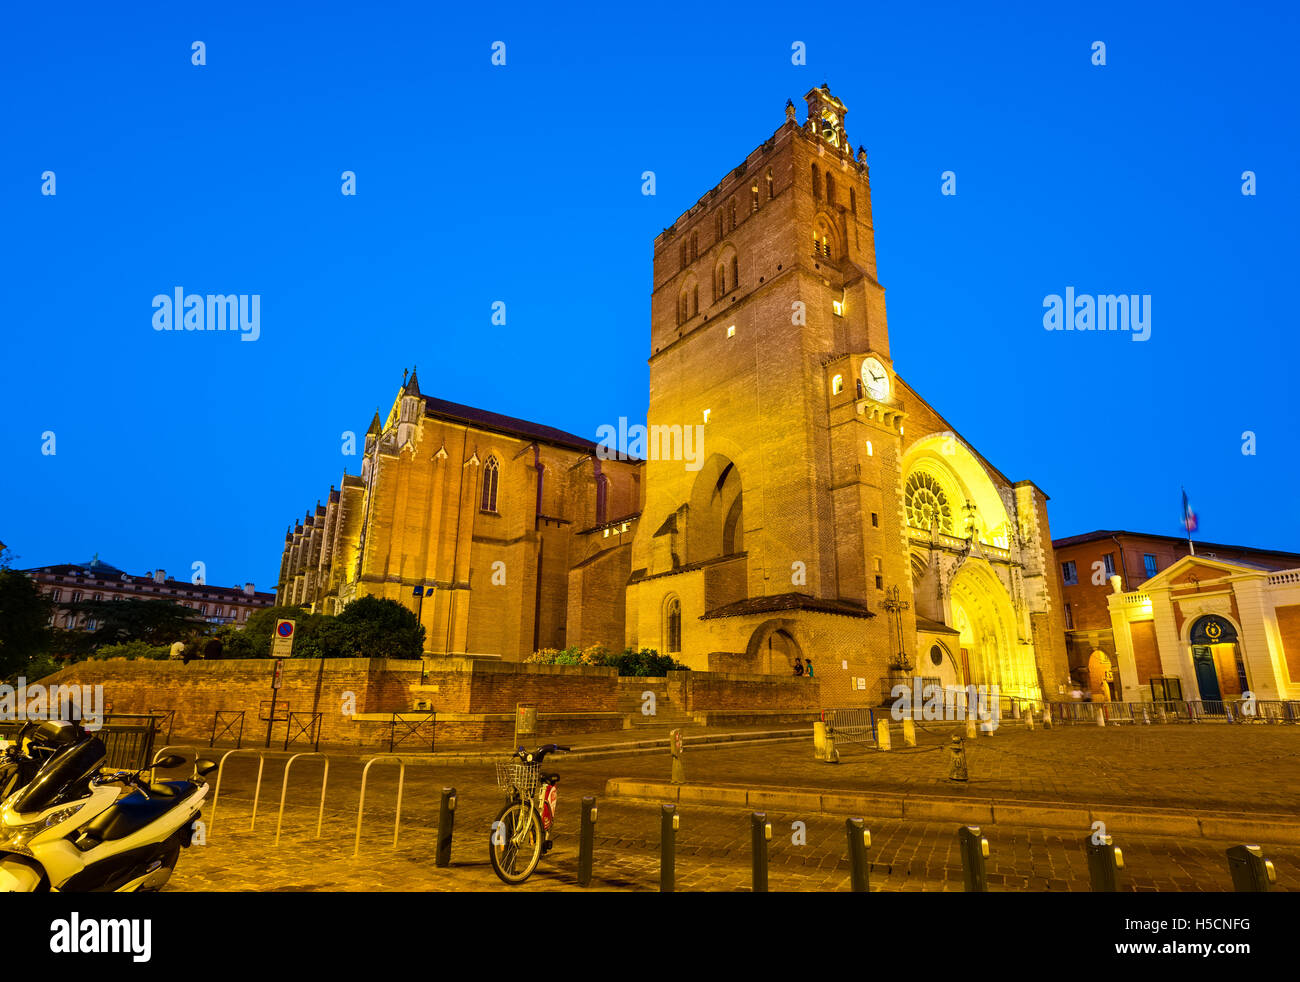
515	774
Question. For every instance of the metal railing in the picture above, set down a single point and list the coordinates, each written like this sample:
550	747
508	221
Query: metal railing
230	721
1179	711
305	727
857	725
405	726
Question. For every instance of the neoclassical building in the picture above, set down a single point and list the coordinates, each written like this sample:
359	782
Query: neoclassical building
797	497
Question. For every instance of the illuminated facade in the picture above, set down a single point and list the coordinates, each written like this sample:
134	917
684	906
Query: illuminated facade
836	514
1209	629
828	513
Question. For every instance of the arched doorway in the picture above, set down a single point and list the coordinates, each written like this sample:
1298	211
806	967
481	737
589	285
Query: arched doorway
772	648
990	652
715	523
1216	658
1101	677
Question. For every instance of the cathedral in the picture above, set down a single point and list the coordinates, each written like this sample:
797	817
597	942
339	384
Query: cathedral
797	498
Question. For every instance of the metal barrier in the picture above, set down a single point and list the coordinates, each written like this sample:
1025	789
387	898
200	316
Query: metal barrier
857	725
1179	711
284	786
311	729
127	746
410	728
164	717
216	791
234	720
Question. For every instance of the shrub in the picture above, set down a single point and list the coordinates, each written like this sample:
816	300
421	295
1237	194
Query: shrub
646	663
132	650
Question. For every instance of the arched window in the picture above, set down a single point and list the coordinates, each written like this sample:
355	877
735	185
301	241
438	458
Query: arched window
719	281
491	471
695	299
769	184
837	385
695	246
719	224
684	259
817	183
754	198
673	625
853	201
735	271
731	208
830	188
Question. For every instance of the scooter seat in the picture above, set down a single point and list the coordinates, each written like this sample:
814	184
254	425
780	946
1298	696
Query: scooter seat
130	814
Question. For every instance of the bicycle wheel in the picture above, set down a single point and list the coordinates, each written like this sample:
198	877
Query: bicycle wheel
515	843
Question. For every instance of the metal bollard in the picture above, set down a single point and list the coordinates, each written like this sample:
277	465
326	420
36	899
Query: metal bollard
819	740
971	732
446	825
1105	860
1047	716
832	755
909	732
667	847
859	840
760	832
882	735
586	841
1029	719
1251	872
1101	715
957	760
974	852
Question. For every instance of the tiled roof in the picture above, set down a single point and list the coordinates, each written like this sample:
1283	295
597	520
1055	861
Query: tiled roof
509	425
789	601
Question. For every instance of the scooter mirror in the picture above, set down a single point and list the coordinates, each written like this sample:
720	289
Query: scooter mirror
202	767
168	762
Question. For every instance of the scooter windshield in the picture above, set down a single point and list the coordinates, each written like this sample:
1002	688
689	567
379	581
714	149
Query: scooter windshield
64	777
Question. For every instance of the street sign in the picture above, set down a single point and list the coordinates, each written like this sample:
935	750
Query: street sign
278	677
282	639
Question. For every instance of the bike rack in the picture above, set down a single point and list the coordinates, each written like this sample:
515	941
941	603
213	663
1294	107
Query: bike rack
361	804
216	792
284	786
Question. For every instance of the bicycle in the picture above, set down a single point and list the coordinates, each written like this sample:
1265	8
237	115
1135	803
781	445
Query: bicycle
522	830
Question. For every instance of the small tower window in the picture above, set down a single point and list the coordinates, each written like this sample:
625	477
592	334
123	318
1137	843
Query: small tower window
602	490
837	385
769	184
830	188
491	471
817	183
754	198
853	200
719	223
731	208
695	299
719	281
735	271
695	246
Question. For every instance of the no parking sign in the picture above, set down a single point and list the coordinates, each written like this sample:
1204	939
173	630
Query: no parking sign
282	639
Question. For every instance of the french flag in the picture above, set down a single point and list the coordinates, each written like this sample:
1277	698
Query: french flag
1189	516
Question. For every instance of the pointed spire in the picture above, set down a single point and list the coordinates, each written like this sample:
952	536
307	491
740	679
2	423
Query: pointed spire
413	387
375	425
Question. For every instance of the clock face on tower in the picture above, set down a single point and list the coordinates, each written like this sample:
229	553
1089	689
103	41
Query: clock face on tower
875	379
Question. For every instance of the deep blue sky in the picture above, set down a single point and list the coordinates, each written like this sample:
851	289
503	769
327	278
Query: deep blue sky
522	183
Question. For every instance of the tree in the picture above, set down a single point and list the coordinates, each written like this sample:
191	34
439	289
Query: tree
152	621
371	628
24	621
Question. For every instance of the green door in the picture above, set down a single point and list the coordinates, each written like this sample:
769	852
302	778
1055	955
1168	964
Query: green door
1207	678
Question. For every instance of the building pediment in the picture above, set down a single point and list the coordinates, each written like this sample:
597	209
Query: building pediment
1194	570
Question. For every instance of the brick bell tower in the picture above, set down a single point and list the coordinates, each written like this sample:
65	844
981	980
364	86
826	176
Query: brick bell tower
768	329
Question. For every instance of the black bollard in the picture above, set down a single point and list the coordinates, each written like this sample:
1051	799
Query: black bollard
667	848
1251	872
1105	860
974	851
859	840
586	841
446	824
760	833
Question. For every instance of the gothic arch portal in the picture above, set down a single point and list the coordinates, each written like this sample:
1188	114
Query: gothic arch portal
773	647
990	651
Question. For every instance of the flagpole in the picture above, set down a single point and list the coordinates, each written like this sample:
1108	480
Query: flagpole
1187	526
